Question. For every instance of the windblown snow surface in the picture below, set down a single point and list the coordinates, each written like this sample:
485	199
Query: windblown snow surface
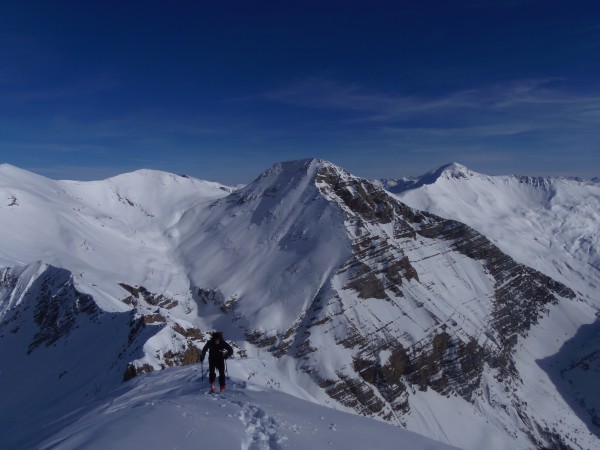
174	235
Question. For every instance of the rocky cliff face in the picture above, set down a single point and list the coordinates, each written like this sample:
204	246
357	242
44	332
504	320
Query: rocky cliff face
42	308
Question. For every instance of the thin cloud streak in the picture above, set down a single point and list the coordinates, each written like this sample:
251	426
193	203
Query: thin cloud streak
524	104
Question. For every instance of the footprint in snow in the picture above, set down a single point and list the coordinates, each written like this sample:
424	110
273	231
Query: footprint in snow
262	431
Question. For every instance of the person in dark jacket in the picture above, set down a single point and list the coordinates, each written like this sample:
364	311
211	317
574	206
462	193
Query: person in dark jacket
218	351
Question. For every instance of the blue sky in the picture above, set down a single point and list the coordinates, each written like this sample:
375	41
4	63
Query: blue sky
222	90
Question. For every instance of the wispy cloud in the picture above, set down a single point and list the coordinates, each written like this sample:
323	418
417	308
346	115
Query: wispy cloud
501	109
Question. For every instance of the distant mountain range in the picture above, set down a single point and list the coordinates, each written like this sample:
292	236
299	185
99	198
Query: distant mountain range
458	305
550	224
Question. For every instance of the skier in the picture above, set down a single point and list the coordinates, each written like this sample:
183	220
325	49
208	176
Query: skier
218	351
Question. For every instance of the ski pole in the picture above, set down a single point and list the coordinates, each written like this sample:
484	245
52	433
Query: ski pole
202	368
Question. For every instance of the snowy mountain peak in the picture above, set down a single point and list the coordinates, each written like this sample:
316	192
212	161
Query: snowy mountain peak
158	175
284	179
455	170
450	171
292	169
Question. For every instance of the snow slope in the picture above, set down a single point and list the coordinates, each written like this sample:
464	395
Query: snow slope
172	410
272	244
103	231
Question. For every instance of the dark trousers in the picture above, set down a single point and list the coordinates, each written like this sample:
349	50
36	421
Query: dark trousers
220	366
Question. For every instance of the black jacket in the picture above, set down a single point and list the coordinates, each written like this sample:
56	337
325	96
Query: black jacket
217	352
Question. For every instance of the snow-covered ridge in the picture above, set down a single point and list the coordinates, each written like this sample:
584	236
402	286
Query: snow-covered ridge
117	229
460	172
173	410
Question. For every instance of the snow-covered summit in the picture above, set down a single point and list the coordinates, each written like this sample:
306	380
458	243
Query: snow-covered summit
448	171
288	173
281	178
452	170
